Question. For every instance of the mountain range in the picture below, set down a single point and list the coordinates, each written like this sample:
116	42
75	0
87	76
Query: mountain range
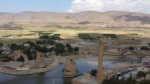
111	18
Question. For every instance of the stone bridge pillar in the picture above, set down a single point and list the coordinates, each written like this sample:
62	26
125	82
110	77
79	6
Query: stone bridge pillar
18	54
40	60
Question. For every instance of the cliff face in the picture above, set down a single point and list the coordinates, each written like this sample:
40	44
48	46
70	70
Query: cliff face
105	18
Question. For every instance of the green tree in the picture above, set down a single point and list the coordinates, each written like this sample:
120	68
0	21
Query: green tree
68	45
43	49
70	49
141	74
59	48
28	53
93	72
1	44
51	42
51	49
131	48
76	49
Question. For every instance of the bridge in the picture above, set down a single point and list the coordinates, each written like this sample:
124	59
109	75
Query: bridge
122	50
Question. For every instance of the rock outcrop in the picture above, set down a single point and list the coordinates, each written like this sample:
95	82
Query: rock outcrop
85	79
70	69
40	60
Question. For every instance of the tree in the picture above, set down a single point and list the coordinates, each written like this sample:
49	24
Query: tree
32	44
68	45
70	49
76	49
131	48
43	49
39	42
93	72
51	42
44	37
144	48
28	53
59	48
1	44
141	74
51	49
13	46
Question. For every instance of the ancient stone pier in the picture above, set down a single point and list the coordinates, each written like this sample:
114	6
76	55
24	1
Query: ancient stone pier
18	54
40	60
70	69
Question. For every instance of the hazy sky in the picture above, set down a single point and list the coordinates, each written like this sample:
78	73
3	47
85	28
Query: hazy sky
75	5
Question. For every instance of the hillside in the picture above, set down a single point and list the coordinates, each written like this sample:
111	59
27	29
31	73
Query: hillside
103	19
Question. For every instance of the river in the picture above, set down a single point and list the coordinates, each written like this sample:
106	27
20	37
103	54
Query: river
55	76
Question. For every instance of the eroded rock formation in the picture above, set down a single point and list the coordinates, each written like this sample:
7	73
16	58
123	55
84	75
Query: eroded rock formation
40	60
70	69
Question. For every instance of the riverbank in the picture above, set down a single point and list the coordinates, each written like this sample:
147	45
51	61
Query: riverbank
14	71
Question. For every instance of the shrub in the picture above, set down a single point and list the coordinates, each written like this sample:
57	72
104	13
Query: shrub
93	72
141	74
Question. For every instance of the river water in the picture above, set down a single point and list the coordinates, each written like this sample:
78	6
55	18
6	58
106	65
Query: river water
54	76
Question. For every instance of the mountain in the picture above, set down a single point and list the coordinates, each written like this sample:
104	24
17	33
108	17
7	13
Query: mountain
111	18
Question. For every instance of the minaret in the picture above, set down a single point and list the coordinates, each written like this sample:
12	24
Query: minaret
100	62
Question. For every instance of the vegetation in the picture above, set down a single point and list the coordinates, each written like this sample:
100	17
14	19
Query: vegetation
93	72
59	48
133	35
89	36
149	44
96	36
144	48
116	80
76	49
49	42
1	44
141	74
112	36
53	37
130	48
